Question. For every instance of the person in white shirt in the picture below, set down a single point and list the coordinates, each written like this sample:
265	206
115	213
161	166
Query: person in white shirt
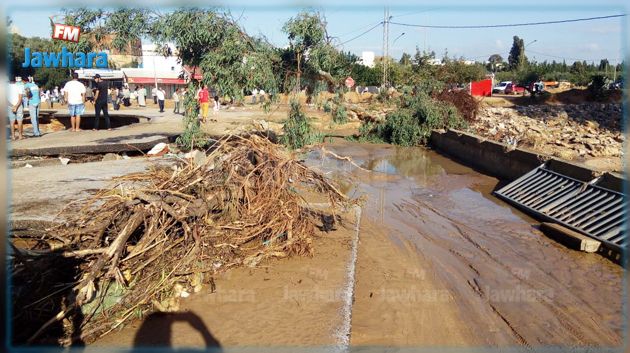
262	95
254	95
15	111
160	94
74	94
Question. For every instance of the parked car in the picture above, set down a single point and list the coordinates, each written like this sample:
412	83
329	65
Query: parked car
500	88
514	89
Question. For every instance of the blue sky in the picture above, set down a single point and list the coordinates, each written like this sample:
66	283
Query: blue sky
591	40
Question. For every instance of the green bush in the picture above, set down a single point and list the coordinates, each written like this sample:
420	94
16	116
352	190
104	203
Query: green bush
413	122
341	115
193	135
298	131
597	87
327	107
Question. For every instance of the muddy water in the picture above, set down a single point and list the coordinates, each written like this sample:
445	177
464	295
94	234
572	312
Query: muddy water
498	281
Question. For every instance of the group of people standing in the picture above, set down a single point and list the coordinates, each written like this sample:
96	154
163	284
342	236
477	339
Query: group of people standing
29	96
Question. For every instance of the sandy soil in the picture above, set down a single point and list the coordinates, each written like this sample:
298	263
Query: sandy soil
290	302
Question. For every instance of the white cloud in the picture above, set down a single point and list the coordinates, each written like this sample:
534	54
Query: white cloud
499	44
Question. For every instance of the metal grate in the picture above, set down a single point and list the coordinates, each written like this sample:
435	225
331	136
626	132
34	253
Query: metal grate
584	207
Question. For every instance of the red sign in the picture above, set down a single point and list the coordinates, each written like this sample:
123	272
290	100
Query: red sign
349	82
67	33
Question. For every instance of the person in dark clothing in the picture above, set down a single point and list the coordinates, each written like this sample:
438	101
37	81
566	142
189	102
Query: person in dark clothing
100	102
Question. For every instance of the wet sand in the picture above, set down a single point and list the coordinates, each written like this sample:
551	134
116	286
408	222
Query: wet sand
441	263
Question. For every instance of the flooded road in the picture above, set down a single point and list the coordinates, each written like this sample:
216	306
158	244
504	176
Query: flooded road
443	262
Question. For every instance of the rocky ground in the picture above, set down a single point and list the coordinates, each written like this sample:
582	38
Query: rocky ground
577	132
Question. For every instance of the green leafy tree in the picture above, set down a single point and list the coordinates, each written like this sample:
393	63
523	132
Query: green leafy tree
495	62
517	59
305	31
405	59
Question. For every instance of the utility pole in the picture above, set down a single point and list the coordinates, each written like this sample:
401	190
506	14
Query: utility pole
385	44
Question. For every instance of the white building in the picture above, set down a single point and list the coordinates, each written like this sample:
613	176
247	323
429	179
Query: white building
154	60
367	58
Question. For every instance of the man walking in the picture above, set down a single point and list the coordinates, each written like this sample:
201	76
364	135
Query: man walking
74	95
160	95
100	102
33	105
204	102
176	101
15	111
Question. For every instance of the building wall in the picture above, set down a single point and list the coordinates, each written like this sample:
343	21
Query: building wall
367	58
153	60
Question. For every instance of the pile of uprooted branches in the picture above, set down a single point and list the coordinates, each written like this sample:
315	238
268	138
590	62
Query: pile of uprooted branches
178	225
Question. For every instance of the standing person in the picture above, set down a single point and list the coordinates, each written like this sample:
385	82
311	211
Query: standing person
55	95
89	95
176	101
75	96
33	105
100	102
15	111
133	96
262	95
154	94
62	96
160	94
254	95
126	95
142	95
44	97
217	106
182	100
20	85
204	102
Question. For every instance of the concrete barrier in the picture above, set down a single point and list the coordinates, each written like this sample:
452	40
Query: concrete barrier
507	163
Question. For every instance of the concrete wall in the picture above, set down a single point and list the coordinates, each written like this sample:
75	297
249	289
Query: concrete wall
499	160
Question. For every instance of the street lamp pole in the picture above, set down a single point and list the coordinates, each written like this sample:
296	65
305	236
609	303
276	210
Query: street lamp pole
402	34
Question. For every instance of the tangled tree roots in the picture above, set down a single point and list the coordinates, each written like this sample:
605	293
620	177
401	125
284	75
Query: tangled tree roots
177	227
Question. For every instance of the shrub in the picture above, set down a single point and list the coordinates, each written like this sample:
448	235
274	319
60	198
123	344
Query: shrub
298	131
412	124
466	104
340	115
597	87
193	135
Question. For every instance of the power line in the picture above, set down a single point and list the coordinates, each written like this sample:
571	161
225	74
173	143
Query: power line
362	34
358	29
509	25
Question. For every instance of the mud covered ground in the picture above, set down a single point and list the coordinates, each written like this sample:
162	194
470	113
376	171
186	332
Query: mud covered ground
441	263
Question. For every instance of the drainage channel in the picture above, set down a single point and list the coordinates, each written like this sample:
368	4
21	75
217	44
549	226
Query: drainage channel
584	207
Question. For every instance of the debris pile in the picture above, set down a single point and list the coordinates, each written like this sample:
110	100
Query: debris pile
571	132
166	232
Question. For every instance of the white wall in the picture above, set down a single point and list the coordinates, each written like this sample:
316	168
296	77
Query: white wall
367	58
151	59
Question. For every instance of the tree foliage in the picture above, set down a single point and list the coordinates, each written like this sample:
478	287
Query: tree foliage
517	59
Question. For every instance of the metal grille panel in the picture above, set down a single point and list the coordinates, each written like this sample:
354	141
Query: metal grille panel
584	207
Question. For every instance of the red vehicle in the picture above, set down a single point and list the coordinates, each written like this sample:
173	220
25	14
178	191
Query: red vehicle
514	89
